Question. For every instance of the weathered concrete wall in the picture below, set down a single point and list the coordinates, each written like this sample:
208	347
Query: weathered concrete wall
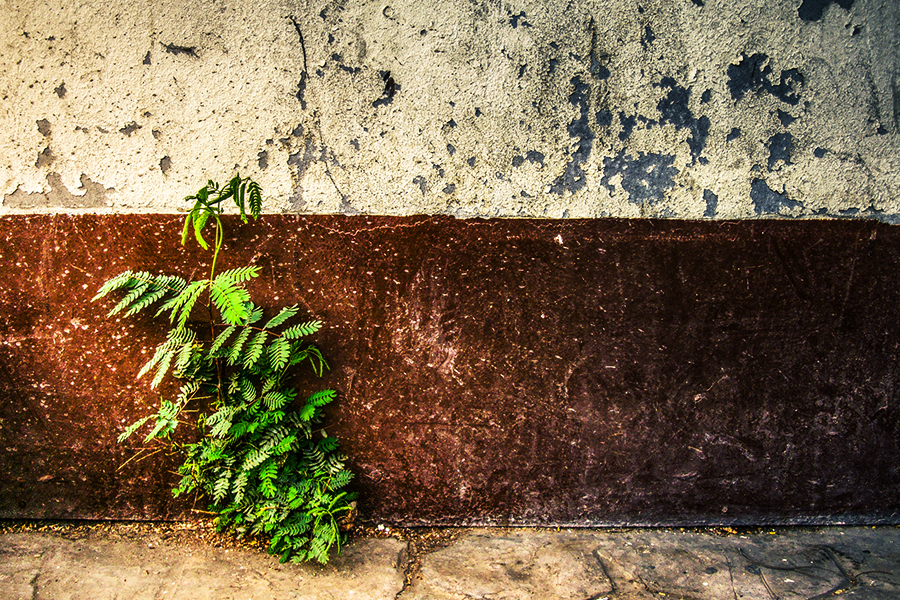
683	108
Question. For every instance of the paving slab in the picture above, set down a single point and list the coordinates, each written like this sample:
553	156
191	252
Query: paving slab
125	561
638	564
106	565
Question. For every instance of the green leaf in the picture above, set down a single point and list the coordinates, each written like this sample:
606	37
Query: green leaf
230	298
308	412
220	339
248	390
234	354
255	349
166	421
284	315
279	353
255	199
112	285
132	428
277	399
184	303
302	330
137	290
162	368
321	398
186	353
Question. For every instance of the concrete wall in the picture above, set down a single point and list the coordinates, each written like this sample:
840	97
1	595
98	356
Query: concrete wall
684	108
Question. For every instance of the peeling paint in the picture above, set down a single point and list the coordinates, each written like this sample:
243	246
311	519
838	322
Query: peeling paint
94	196
568	102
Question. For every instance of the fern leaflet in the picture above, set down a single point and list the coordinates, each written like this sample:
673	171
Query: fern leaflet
302	330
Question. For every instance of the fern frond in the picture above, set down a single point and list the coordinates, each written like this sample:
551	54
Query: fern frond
137	290
238	486
276	400
302	330
166	421
238	275
187	391
184	303
255	349
148	298
256	313
322	397
230	299
255	197
162	368
340	479
284	315
186	353
254	459
132	428
248	390
279	353
234	353
220	339
308	413
220	489
113	284
269	470
268	490
285	445
328	444
220	421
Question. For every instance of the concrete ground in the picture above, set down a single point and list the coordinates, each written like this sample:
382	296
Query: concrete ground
180	561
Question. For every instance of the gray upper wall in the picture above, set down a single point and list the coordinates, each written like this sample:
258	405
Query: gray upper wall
584	108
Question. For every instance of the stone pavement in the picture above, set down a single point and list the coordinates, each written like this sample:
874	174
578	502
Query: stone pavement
151	562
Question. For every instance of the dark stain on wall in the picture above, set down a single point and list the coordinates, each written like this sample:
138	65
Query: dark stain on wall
785	118
178	50
812	10
574	177
645	177
647	37
129	128
495	372
767	201
673	108
753	73
712	204
627	123
603	118
779	149
516	20
390	88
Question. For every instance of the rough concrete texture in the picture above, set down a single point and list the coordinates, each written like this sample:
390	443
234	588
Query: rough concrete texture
551	108
663	563
107	564
102	563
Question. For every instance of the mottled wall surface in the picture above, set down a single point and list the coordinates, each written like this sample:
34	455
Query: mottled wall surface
504	371
713	364
698	109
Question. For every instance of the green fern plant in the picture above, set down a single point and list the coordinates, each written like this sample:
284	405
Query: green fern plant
262	460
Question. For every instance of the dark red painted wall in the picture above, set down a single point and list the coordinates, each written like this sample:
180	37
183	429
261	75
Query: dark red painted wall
508	371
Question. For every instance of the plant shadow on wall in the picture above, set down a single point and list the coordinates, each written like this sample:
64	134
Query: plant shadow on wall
267	470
